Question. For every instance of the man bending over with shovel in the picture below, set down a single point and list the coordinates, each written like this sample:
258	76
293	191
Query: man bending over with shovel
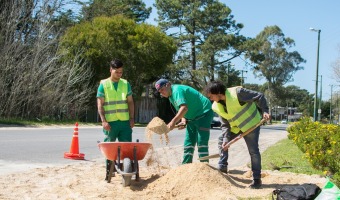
240	110
193	112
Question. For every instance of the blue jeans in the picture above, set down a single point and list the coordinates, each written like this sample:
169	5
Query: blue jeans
252	141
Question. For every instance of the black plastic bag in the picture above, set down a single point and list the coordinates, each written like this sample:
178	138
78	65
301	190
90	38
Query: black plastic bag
306	191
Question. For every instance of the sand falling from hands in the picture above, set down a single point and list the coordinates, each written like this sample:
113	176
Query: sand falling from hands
158	127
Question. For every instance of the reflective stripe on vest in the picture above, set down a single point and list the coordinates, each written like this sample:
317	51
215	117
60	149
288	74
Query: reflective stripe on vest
240	117
115	104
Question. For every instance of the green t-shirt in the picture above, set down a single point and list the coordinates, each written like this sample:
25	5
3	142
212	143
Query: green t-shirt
100	91
197	103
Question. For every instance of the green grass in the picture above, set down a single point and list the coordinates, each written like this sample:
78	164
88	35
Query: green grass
287	157
19	122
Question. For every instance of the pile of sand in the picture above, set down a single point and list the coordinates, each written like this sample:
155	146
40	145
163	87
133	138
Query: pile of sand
201	181
190	181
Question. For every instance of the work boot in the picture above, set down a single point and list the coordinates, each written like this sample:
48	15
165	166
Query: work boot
256	184
223	169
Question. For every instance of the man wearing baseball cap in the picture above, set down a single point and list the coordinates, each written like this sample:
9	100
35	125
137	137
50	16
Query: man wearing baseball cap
193	113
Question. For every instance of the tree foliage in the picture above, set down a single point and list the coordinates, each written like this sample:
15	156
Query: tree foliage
291	95
133	9
144	49
297	97
206	34
274	61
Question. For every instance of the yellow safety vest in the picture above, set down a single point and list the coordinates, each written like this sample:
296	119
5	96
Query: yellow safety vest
115	104
240	117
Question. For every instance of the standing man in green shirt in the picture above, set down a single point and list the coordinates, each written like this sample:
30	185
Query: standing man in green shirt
193	112
115	107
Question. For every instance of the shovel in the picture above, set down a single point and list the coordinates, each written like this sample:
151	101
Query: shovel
233	141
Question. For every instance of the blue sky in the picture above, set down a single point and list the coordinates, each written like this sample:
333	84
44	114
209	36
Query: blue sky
294	18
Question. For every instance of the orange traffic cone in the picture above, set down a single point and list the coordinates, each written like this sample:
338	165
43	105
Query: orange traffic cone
74	150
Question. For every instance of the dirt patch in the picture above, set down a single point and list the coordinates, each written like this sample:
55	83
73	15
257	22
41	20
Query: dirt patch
162	178
85	180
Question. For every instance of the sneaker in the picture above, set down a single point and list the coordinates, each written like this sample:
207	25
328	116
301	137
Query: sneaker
256	184
223	170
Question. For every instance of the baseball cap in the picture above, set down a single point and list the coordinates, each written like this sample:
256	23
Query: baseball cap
160	83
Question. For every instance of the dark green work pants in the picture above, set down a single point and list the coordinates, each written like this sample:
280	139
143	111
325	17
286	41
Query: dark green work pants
197	132
120	130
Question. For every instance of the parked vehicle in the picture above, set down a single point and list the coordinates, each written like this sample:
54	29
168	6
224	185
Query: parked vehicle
284	121
216	121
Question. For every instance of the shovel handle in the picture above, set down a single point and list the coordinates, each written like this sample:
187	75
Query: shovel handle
180	126
242	135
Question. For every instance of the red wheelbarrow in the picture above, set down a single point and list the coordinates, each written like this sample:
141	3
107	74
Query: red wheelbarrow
128	152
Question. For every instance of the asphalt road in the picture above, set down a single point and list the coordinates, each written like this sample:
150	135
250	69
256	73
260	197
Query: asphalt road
22	147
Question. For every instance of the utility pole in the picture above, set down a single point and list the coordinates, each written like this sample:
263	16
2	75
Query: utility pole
319	110
242	76
317	74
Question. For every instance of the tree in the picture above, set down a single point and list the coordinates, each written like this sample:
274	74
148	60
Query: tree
277	65
254	87
272	59
292	96
35	82
64	20
133	9
144	49
229	75
206	34
297	97
325	110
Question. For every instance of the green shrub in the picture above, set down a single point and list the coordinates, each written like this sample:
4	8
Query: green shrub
320	143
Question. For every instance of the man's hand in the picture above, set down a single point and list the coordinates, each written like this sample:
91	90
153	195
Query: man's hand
181	125
224	144
266	116
179	117
106	126
132	122
171	125
101	112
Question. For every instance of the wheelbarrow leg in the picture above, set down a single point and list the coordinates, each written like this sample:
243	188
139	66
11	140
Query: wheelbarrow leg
110	170
135	163
137	171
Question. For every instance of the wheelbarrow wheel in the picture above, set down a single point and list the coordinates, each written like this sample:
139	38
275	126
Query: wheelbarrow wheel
127	168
